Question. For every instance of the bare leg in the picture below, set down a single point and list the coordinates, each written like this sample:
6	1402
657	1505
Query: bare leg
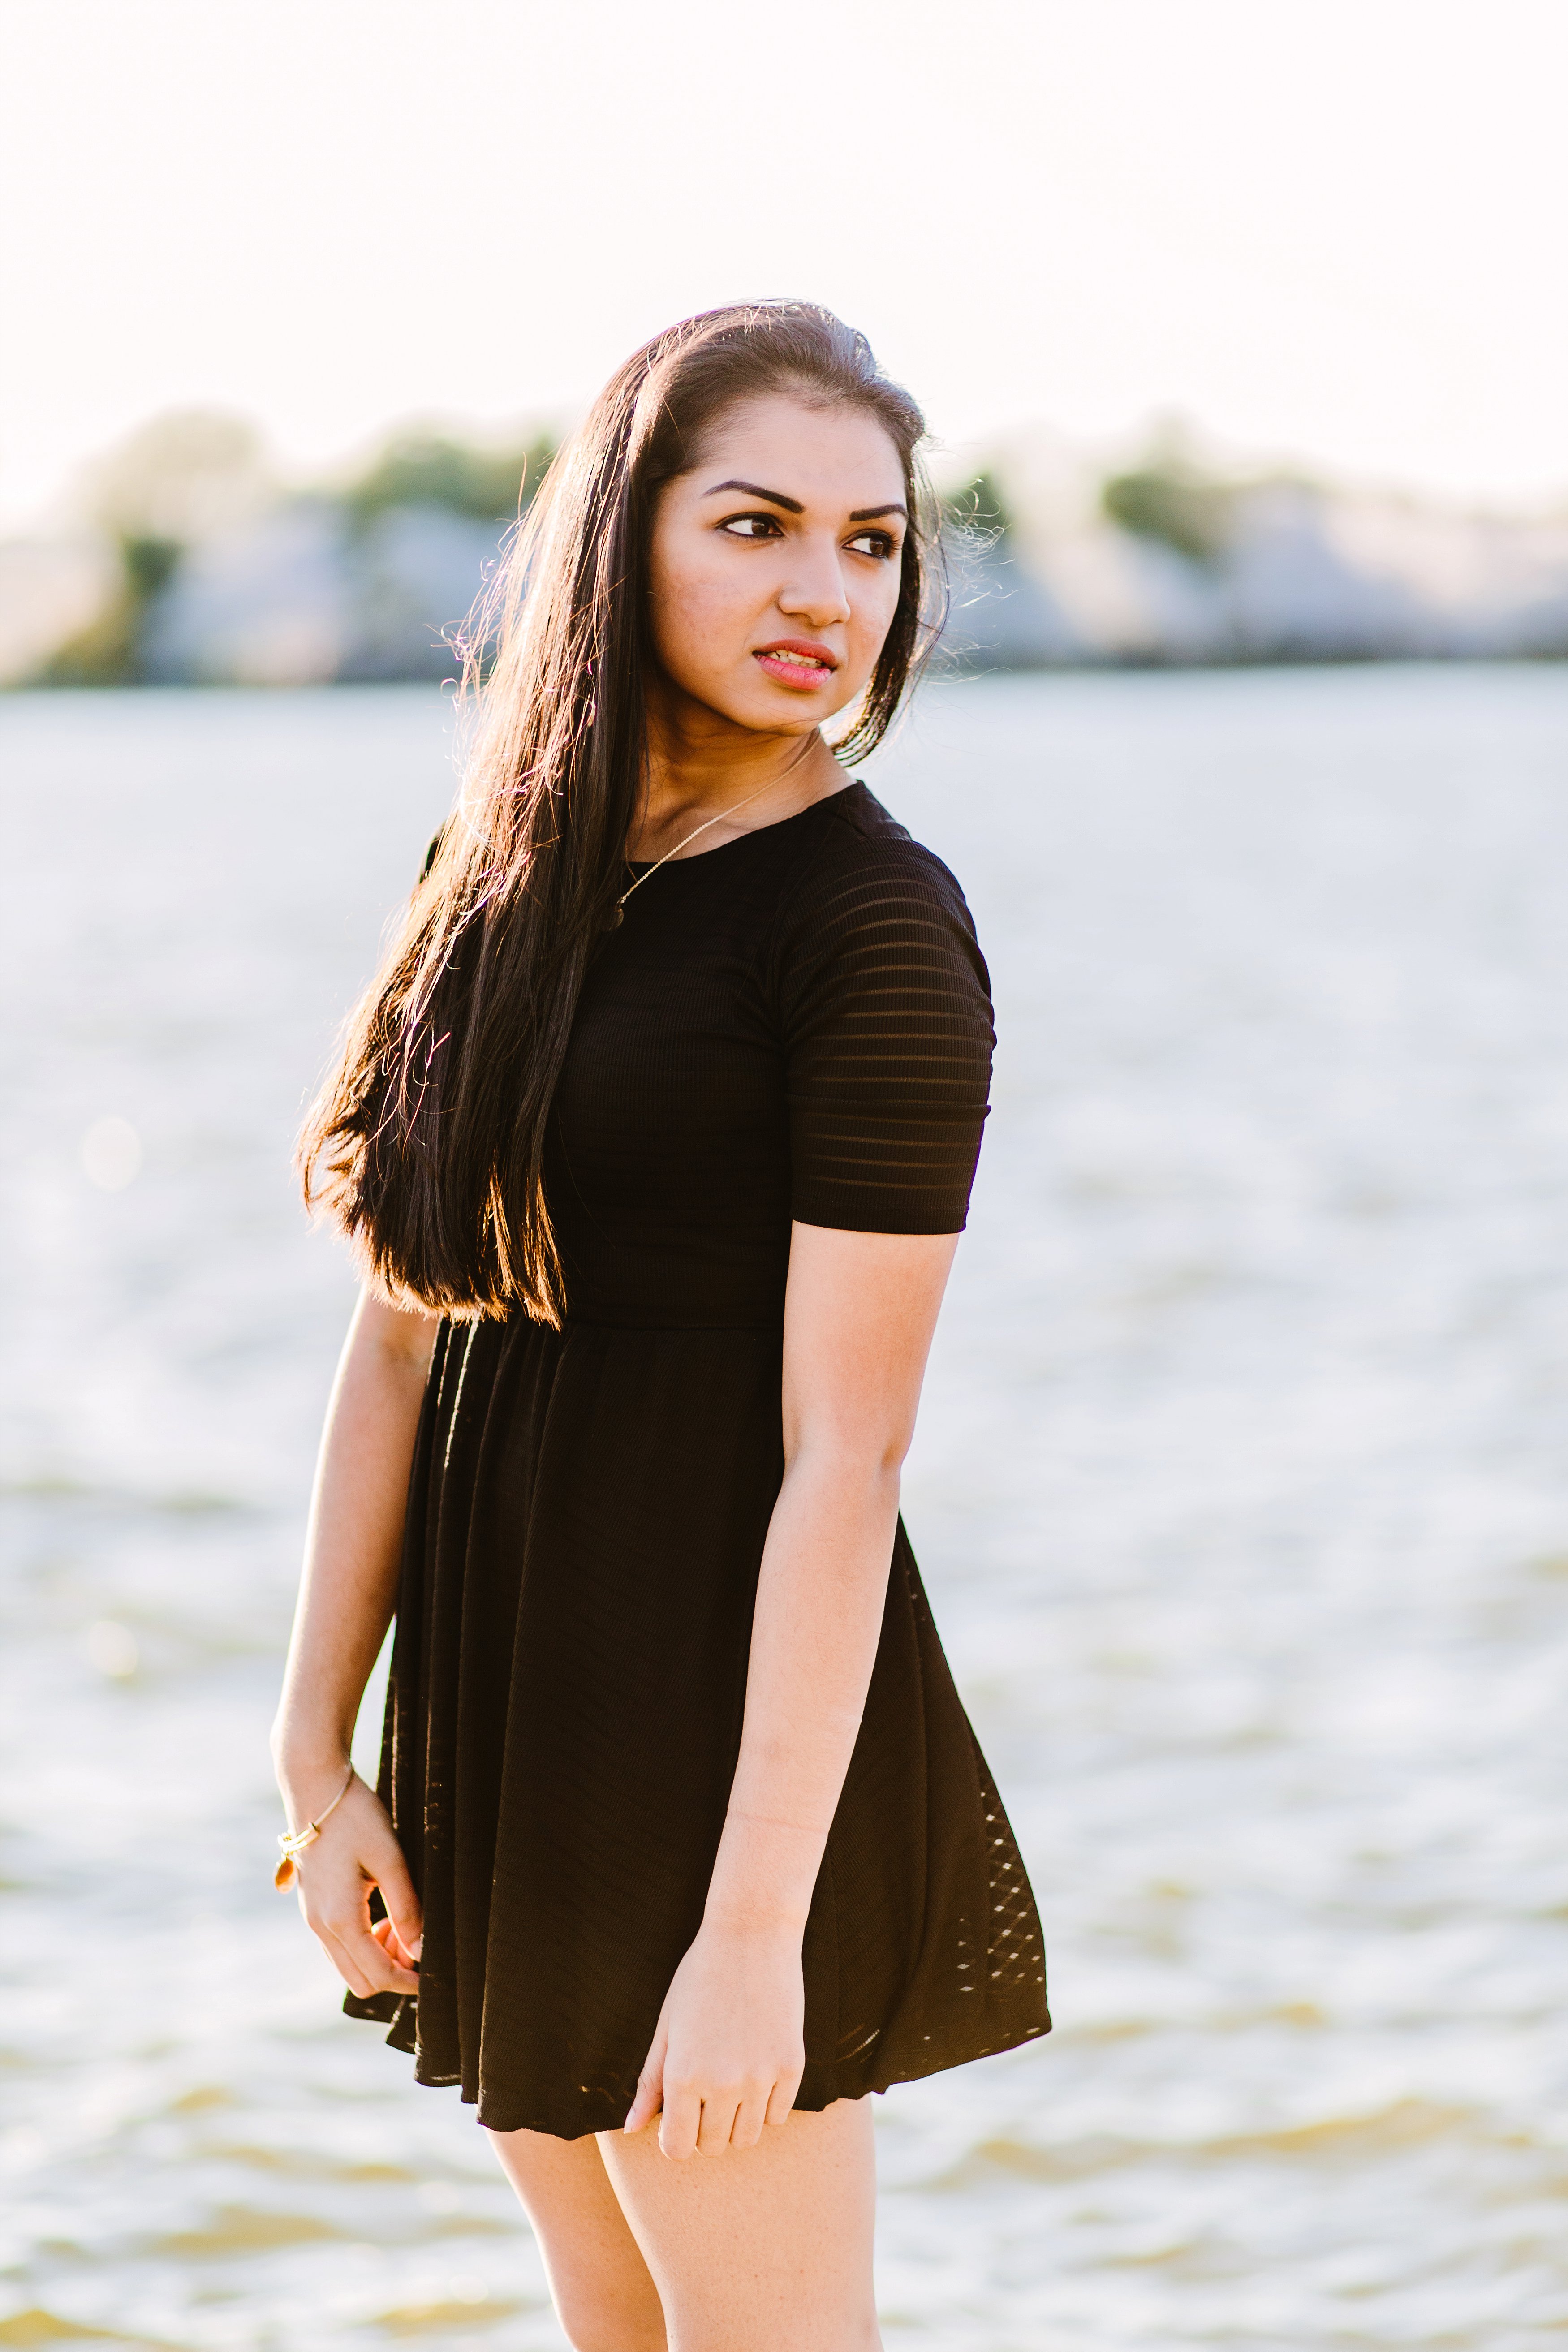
605	2297
766	2248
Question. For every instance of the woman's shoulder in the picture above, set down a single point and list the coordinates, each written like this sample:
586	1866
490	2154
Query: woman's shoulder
860	848
867	902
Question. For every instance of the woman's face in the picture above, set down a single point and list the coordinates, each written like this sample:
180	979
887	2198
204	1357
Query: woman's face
776	563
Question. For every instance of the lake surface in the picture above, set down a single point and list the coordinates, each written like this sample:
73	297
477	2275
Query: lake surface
1241	1489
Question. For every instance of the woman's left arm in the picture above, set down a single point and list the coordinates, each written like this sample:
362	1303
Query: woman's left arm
860	1313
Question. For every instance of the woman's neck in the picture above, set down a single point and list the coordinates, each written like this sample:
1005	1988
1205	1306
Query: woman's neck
726	780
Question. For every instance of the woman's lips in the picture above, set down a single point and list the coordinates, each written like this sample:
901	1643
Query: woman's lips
796	665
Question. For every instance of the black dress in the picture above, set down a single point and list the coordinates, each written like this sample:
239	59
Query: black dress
793	1025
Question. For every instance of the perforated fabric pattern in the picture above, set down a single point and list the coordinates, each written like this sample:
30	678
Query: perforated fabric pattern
1011	1950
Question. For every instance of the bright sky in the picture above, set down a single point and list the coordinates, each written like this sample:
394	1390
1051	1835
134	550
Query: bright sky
1333	229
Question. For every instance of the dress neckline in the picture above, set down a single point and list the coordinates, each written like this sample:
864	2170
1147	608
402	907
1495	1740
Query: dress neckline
754	833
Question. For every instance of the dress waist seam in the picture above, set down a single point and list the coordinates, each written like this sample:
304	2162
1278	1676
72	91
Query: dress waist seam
772	1326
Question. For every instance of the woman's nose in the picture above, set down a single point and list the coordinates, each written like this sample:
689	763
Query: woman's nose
815	593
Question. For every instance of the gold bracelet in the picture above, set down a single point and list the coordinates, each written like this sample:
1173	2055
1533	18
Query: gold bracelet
294	1843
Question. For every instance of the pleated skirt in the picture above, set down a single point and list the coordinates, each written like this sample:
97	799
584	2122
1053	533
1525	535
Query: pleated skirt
586	1522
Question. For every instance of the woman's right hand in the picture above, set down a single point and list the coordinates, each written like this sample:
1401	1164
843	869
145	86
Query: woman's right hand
356	1851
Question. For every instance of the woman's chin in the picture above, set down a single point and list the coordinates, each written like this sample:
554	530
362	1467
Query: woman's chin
758	705
775	709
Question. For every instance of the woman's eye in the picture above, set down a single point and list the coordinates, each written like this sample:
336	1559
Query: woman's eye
874	542
751	526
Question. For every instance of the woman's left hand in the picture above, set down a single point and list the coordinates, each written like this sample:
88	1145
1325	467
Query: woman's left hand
729	2052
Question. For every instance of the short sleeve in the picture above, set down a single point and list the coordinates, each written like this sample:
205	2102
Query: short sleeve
887	1041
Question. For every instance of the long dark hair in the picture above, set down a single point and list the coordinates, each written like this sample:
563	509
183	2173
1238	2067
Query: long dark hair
426	1144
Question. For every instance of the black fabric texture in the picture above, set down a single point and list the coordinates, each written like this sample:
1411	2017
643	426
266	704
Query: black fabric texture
796	1025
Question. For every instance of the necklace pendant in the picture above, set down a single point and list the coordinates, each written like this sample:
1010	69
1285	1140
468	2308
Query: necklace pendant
617	916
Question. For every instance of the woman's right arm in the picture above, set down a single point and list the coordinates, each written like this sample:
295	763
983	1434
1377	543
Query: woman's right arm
347	1595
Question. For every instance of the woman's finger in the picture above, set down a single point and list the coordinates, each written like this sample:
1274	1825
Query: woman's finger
353	1940
717	2124
781	2099
385	1974
680	2122
392	1944
398	1894
650	2087
342	1959
750	2117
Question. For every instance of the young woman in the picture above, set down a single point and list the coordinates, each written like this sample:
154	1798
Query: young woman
656	1133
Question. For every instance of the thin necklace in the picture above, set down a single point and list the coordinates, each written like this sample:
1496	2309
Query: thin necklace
619	913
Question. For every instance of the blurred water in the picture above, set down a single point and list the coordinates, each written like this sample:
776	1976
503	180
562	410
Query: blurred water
1240	1487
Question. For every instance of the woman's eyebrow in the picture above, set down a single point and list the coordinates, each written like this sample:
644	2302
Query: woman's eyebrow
774	498
794	506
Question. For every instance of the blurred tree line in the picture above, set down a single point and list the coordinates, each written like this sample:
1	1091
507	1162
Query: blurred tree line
192	475
1167	496
1170	497
426	469
367	573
